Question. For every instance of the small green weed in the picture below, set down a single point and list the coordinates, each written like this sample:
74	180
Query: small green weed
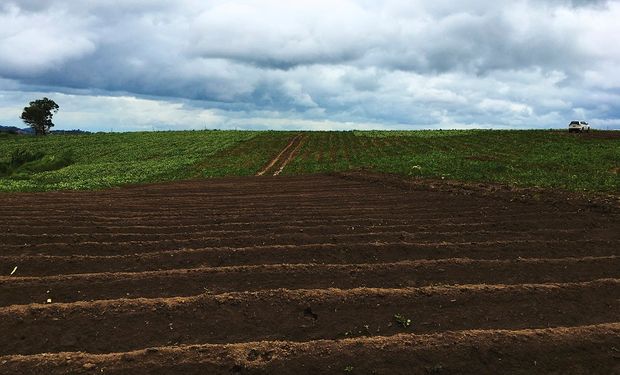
402	321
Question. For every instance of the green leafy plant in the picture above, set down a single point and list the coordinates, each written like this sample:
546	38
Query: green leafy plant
18	158
402	321
22	156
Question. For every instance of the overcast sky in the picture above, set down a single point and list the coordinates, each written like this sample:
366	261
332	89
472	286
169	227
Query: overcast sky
312	64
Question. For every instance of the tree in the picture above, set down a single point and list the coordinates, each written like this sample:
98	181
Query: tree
38	115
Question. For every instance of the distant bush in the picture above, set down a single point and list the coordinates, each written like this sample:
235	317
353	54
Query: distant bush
47	163
24	161
20	157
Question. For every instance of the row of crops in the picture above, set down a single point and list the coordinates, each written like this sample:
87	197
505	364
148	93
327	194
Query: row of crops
526	158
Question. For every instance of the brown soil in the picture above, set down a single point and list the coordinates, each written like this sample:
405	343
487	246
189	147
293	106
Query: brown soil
576	350
305	275
603	134
594	134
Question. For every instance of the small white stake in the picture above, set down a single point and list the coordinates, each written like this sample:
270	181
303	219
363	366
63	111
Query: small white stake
12	272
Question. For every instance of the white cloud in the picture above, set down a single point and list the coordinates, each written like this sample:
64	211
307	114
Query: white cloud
31	43
394	63
89	112
503	106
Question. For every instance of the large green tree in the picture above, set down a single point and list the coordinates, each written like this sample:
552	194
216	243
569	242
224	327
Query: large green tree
38	115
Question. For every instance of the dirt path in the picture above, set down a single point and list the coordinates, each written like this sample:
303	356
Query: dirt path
277	164
298	274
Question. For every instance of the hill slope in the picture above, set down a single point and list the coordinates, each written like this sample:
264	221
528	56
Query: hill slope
589	162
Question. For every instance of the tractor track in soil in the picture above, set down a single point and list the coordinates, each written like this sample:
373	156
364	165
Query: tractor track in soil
283	275
277	164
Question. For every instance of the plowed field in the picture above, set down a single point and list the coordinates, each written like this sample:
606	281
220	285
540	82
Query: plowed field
310	274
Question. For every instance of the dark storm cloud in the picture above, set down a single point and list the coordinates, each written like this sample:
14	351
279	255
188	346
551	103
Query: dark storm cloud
476	38
386	62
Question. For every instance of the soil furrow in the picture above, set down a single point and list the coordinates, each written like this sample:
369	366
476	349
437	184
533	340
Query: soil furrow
350	253
443	230
279	218
190	240
163	227
354	198
188	282
317	228
567	350
302	315
227	255
301	213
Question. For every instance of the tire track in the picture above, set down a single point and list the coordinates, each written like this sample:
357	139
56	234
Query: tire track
290	156
277	164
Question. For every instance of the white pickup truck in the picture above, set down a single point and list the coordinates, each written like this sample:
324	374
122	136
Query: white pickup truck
578	126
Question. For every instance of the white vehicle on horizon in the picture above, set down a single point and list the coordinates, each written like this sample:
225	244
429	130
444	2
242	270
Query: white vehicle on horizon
578	126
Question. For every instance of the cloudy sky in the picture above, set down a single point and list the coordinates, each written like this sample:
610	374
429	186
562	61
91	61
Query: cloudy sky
312	64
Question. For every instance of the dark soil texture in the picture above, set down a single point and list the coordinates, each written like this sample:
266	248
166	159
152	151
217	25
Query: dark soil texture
342	274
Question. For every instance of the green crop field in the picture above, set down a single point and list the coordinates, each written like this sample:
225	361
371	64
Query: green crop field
97	161
520	158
